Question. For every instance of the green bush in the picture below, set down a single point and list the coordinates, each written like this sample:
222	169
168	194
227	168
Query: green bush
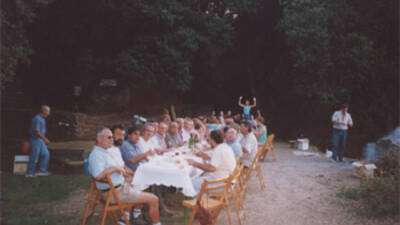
379	196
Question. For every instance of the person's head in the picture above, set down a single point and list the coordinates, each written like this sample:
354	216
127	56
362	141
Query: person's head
173	128
229	113
216	138
180	122
166	118
230	135
134	134
237	118
118	134
344	107
260	120
45	110
104	138
229	121
245	127
188	124
247	102
214	120
148	131
162	128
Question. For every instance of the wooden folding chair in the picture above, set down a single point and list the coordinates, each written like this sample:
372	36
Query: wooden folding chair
109	200
254	167
235	190
268	147
213	197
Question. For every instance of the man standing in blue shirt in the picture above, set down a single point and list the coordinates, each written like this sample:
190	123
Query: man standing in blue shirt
39	144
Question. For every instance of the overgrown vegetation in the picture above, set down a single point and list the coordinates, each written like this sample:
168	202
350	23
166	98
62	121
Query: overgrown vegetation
379	196
293	55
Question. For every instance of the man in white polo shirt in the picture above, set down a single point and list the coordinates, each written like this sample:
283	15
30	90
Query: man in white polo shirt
103	164
341	121
248	142
145	142
220	164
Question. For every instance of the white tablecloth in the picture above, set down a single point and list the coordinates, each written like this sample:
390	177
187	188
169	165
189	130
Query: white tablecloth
169	170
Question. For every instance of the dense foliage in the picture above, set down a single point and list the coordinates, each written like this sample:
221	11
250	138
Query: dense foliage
293	55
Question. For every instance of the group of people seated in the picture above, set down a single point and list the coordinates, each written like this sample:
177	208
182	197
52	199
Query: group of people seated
221	142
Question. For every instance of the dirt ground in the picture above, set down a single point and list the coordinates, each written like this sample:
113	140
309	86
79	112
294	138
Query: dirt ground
301	190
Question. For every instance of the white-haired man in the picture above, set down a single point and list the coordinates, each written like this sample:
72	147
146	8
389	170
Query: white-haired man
102	164
231	140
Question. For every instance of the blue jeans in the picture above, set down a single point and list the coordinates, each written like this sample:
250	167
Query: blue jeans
39	149
247	116
338	143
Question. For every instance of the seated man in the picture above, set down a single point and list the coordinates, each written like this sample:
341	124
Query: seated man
231	140
222	161
145	143
173	139
118	134
248	142
131	153
158	140
187	129
102	165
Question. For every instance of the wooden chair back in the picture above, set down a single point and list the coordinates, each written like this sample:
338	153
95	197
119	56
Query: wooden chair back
109	200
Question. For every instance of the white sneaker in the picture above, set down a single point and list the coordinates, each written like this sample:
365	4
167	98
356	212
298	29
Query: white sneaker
42	174
122	219
136	213
29	175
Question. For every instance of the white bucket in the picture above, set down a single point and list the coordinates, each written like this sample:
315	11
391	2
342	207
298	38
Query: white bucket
328	154
21	164
303	144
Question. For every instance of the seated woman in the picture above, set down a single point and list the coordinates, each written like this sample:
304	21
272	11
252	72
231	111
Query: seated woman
261	131
221	163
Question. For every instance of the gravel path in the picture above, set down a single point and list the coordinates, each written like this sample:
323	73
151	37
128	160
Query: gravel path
301	190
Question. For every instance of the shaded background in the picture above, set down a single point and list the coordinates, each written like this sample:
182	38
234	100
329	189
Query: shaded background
301	59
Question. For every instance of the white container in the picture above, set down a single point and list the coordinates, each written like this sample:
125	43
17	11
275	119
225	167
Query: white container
21	164
303	144
328	154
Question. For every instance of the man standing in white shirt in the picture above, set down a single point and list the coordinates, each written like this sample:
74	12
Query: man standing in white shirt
341	121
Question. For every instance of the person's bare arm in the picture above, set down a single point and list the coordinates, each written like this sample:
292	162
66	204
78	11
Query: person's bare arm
254	102
41	136
203	155
140	157
240	102
103	175
203	166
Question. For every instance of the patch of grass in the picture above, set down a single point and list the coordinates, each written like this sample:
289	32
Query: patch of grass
28	201
378	197
21	190
351	193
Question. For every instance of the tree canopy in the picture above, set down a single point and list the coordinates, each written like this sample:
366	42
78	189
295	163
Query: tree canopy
294	55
